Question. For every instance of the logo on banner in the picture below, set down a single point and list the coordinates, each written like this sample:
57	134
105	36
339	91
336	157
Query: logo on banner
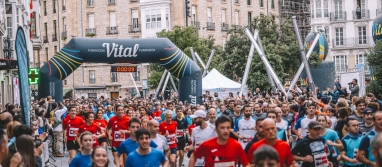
220	89
121	51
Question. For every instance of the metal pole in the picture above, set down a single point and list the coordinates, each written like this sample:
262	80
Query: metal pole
135	85
265	61
200	60
209	62
301	68
248	65
273	86
173	84
193	54
304	59
160	84
165	82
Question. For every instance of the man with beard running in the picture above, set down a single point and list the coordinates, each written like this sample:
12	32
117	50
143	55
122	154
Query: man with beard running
258	112
182	130
212	117
245	127
221	150
200	133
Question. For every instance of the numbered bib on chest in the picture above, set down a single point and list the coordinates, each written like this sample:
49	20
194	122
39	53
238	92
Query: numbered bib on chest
321	160
171	139
73	132
179	133
118	136
224	164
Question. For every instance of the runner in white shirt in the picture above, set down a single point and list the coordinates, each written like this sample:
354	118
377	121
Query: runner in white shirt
303	122
161	141
283	124
201	133
245	127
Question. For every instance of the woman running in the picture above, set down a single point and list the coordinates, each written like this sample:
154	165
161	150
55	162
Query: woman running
102	123
99	157
83	158
93	128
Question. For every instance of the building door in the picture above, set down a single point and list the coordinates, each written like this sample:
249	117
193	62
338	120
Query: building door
114	95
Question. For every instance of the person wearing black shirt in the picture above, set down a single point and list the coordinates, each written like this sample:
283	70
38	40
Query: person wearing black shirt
311	149
181	130
230	109
258	136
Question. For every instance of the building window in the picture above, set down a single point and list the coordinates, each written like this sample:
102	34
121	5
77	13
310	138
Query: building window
54	6
327	33
55	49
92	77
341	63
318	9
45	13
9	27
137	75
362	59
261	3
248	2
90	2
65	82
249	18
167	18
33	26
338	9
46	29
64	24
112	22
236	1
114	77
224	24
272	4
326	8
46	54
361	35
153	19
339	36
91	24
193	16
237	18
134	14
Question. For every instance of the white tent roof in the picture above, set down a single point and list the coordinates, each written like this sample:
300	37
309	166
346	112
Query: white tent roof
214	79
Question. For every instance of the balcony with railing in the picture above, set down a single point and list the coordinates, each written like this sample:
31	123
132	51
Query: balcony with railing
90	32
54	37
196	24
363	15
225	27
135	28
360	42
64	35
210	26
63	8
111	30
92	80
378	11
337	16
45	39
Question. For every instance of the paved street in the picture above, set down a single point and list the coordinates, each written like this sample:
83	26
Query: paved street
64	161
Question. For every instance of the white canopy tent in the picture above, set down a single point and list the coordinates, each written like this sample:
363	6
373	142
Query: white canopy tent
214	81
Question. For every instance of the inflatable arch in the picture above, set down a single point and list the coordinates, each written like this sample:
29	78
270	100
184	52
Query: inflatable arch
98	50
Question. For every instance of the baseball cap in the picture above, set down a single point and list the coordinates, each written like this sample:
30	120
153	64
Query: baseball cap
368	110
198	113
314	124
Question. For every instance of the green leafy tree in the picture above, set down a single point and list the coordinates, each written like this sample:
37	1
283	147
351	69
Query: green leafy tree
280	46
375	61
184	38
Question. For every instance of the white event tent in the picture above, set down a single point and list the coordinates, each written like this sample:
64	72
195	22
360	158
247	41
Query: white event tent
214	81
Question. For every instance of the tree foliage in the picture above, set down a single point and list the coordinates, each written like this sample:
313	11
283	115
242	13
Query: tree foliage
375	62
280	46
184	38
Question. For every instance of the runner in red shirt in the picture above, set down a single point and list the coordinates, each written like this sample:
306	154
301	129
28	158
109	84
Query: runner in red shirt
102	124
157	112
71	126
119	132
93	128
168	129
282	147
221	150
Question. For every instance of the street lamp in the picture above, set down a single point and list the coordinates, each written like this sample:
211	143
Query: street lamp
8	50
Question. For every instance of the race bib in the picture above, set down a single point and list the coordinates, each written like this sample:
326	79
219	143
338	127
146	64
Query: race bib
245	140
224	164
197	144
157	118
118	136
171	139
179	133
321	160
73	132
355	151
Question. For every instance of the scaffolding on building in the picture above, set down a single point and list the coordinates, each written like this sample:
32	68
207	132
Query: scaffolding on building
300	9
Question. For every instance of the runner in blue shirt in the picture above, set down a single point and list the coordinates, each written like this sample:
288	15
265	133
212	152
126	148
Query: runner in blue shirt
83	158
364	154
145	155
351	144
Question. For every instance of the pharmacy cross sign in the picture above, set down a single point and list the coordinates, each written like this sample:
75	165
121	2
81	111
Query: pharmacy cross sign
33	76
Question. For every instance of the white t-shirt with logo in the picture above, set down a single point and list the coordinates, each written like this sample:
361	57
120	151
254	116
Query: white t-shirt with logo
161	142
198	136
245	129
303	124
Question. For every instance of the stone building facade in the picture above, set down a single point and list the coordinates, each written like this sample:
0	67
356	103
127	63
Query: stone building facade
62	20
